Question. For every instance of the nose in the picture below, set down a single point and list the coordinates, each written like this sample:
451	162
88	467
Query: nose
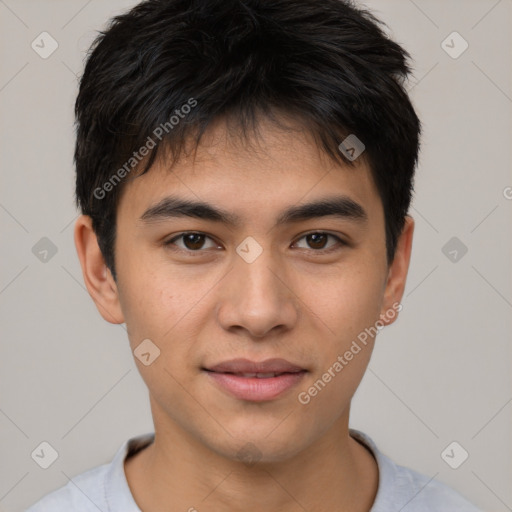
257	297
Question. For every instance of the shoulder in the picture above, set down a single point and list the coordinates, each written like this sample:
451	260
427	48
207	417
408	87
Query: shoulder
422	493
83	493
404	488
101	488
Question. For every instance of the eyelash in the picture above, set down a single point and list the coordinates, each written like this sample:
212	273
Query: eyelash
170	243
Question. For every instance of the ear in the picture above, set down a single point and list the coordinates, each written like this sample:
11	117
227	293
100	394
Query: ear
97	277
397	275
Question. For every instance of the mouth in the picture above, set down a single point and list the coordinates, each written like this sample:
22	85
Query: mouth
255	381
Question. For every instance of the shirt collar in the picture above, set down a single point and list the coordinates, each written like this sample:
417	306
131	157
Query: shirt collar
117	492
119	497
384	498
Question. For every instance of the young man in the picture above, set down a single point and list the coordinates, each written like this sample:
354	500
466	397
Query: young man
244	170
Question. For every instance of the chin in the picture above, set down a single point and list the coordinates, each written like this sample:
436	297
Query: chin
262	444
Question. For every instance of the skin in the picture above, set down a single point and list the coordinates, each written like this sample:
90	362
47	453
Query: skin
292	302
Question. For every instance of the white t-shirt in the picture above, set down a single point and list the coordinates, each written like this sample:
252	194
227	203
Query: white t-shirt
105	487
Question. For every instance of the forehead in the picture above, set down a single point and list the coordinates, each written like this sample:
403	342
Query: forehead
251	175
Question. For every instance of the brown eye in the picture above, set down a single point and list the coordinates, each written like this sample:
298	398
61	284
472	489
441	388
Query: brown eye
191	242
318	241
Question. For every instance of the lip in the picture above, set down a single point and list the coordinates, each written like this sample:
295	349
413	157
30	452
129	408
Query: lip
256	381
248	366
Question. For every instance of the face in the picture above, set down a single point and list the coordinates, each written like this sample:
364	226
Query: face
258	316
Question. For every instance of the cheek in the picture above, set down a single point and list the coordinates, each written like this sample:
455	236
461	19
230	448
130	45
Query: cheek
347	302
143	304
151	293
343	362
159	309
166	307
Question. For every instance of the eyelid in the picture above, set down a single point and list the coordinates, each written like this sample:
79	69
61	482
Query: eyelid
340	241
170	242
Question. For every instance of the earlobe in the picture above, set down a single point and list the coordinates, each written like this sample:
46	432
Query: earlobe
97	277
397	274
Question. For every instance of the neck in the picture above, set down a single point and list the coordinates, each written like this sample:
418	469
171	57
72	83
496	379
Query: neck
334	473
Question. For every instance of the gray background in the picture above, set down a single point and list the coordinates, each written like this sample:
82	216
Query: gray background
441	373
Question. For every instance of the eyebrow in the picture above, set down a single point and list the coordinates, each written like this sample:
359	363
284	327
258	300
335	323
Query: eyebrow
338	206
